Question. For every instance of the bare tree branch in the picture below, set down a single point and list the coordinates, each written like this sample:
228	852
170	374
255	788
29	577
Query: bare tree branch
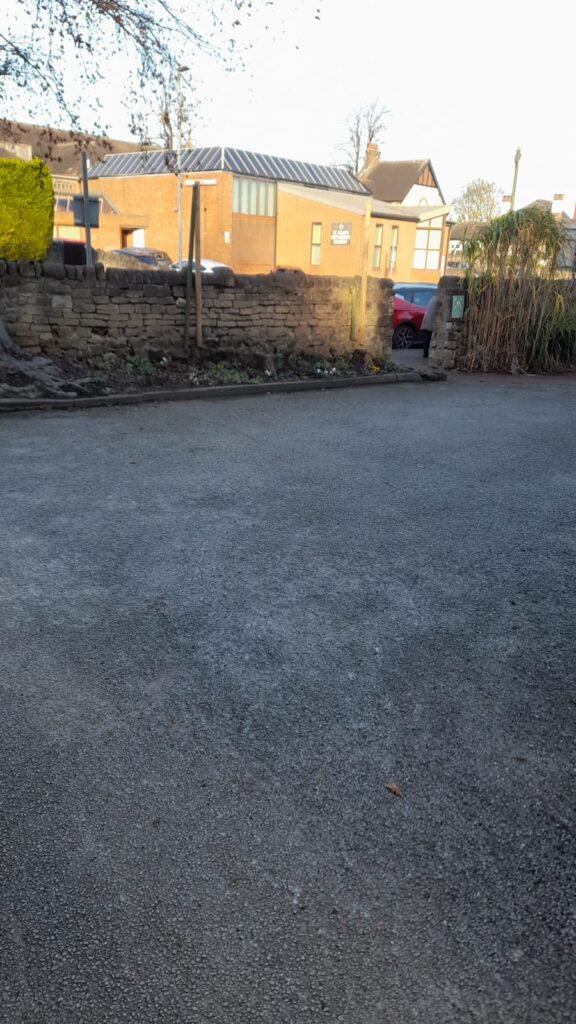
41	38
366	124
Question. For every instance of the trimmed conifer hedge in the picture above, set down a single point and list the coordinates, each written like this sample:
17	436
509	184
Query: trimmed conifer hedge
26	209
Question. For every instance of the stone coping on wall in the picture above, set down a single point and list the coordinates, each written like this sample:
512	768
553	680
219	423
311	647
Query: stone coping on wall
222	277
52	309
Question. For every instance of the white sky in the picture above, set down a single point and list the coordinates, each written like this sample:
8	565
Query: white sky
464	83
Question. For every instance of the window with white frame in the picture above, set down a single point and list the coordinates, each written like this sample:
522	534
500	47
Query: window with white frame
65	203
393	248
428	245
377	257
316	245
254	197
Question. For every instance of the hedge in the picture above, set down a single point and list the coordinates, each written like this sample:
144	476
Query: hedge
26	209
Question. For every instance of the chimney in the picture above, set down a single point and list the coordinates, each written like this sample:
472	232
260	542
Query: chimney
372	155
505	204
558	203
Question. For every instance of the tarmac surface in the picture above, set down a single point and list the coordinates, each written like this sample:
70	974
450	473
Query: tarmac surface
225	628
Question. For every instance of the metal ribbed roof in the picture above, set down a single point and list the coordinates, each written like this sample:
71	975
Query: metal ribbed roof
238	161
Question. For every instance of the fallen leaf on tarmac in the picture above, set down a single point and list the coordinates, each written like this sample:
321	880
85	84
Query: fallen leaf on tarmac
393	788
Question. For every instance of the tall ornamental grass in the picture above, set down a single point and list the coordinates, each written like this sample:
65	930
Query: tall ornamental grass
521	313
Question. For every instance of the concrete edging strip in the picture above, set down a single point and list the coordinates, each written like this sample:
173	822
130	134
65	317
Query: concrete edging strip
220	391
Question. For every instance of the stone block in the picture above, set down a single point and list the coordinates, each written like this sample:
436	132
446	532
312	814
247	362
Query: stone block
62	301
55	270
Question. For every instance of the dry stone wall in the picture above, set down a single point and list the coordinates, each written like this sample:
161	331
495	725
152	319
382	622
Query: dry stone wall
449	337
75	310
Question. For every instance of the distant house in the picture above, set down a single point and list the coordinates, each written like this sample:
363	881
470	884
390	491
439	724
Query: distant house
466	230
405	182
566	262
61	152
412	186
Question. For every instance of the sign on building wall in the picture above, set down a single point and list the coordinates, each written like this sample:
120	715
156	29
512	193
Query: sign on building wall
340	234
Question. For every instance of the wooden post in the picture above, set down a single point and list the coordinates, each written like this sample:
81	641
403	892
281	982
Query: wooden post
517	156
191	239
198	269
86	197
353	304
361	333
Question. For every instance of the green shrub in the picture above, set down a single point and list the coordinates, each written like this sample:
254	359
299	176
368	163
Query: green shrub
26	209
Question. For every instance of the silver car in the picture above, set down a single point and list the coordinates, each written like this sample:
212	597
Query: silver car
207	266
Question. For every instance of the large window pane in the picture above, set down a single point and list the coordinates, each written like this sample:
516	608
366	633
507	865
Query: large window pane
421	238
377	255
433	260
435	240
393	249
419	262
262	186
245	203
436	222
316	246
254	197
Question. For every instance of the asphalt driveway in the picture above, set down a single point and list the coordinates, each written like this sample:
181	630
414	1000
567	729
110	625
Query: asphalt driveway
225	628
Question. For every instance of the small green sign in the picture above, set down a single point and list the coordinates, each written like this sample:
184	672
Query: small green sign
457	307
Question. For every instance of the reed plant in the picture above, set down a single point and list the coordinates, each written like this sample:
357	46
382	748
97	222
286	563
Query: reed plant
521	314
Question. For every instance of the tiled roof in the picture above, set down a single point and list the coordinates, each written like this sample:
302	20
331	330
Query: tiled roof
239	161
59	149
391	180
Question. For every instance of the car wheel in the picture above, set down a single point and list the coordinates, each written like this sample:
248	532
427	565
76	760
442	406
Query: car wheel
404	336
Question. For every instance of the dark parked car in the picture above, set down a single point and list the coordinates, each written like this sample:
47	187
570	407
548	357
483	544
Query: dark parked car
154	259
68	251
410	301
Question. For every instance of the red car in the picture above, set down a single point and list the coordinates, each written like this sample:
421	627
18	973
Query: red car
410	301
